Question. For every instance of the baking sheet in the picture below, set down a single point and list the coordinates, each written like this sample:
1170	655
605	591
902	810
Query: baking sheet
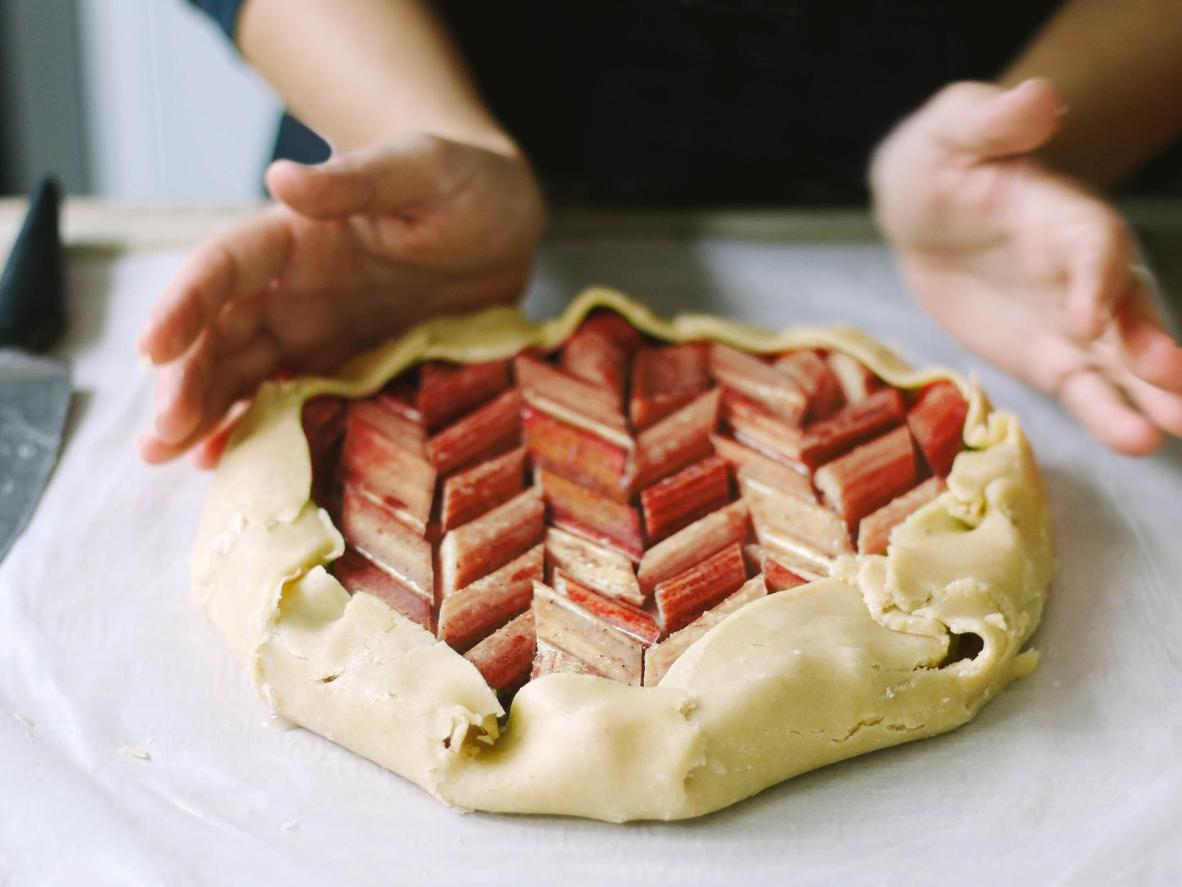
133	751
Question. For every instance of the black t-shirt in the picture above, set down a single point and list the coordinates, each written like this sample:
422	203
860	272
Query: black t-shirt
740	102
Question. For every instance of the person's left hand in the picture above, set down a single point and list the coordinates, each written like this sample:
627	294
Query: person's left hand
1026	266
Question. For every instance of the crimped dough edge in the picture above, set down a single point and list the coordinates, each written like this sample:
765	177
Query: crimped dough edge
790	682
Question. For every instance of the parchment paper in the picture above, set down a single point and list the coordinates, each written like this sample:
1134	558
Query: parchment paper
133	751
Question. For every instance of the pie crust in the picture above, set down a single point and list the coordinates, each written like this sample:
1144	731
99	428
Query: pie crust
792	681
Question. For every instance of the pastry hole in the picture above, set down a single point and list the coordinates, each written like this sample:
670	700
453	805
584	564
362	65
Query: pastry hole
962	647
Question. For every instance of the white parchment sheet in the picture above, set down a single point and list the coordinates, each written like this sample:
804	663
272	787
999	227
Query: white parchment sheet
133	750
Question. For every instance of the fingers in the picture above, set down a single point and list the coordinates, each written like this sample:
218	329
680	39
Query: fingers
236	264
989	122
1097	250
382	179
1146	350
208	452
1099	407
194	396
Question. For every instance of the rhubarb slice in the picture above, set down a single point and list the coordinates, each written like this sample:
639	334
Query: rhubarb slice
857	382
797	557
554	660
758	380
587	513
399	397
685	497
756	464
659	658
687	547
358	574
395	427
778	577
809	521
372	530
488	543
605	649
479	489
493	428
399	479
631	620
755	427
602	569
815	378
829	438
546	385
505	657
937	422
666	379
597	358
447	391
681	438
869	476
473	613
681	598
874	531
578	455
323	421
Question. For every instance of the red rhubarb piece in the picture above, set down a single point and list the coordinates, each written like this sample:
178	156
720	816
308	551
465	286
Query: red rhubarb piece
323	418
937	422
681	438
471	614
491	429
818	382
394	426
600	568
801	558
488	543
567	397
666	379
578	455
372	530
681	499
631	620
755	427
614	327
777	577
758	380
659	658
587	513
479	489
357	574
807	520
874	531
447	391
687	547
775	473
682	598
399	479
829	438
605	649
857	383
399	397
598	359
505	657
869	476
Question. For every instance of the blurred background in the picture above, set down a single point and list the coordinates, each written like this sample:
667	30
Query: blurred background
127	99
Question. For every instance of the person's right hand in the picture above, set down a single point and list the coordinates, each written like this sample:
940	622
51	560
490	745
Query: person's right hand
358	249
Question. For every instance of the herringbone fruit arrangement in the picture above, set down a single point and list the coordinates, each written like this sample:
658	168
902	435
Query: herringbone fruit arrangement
598	507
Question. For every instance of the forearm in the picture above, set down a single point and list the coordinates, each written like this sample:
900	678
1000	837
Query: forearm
1118	65
363	71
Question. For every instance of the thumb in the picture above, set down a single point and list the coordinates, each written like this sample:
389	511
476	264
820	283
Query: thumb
991	122
385	178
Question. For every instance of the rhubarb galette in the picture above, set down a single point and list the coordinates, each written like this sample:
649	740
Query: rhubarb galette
624	568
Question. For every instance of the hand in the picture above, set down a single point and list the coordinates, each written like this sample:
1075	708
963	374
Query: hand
357	250
1025	266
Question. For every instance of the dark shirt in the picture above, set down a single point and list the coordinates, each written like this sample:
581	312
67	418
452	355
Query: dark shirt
680	102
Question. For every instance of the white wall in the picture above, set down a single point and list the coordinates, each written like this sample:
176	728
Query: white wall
172	113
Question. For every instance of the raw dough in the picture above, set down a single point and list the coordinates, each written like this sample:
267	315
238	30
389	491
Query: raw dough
790	682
